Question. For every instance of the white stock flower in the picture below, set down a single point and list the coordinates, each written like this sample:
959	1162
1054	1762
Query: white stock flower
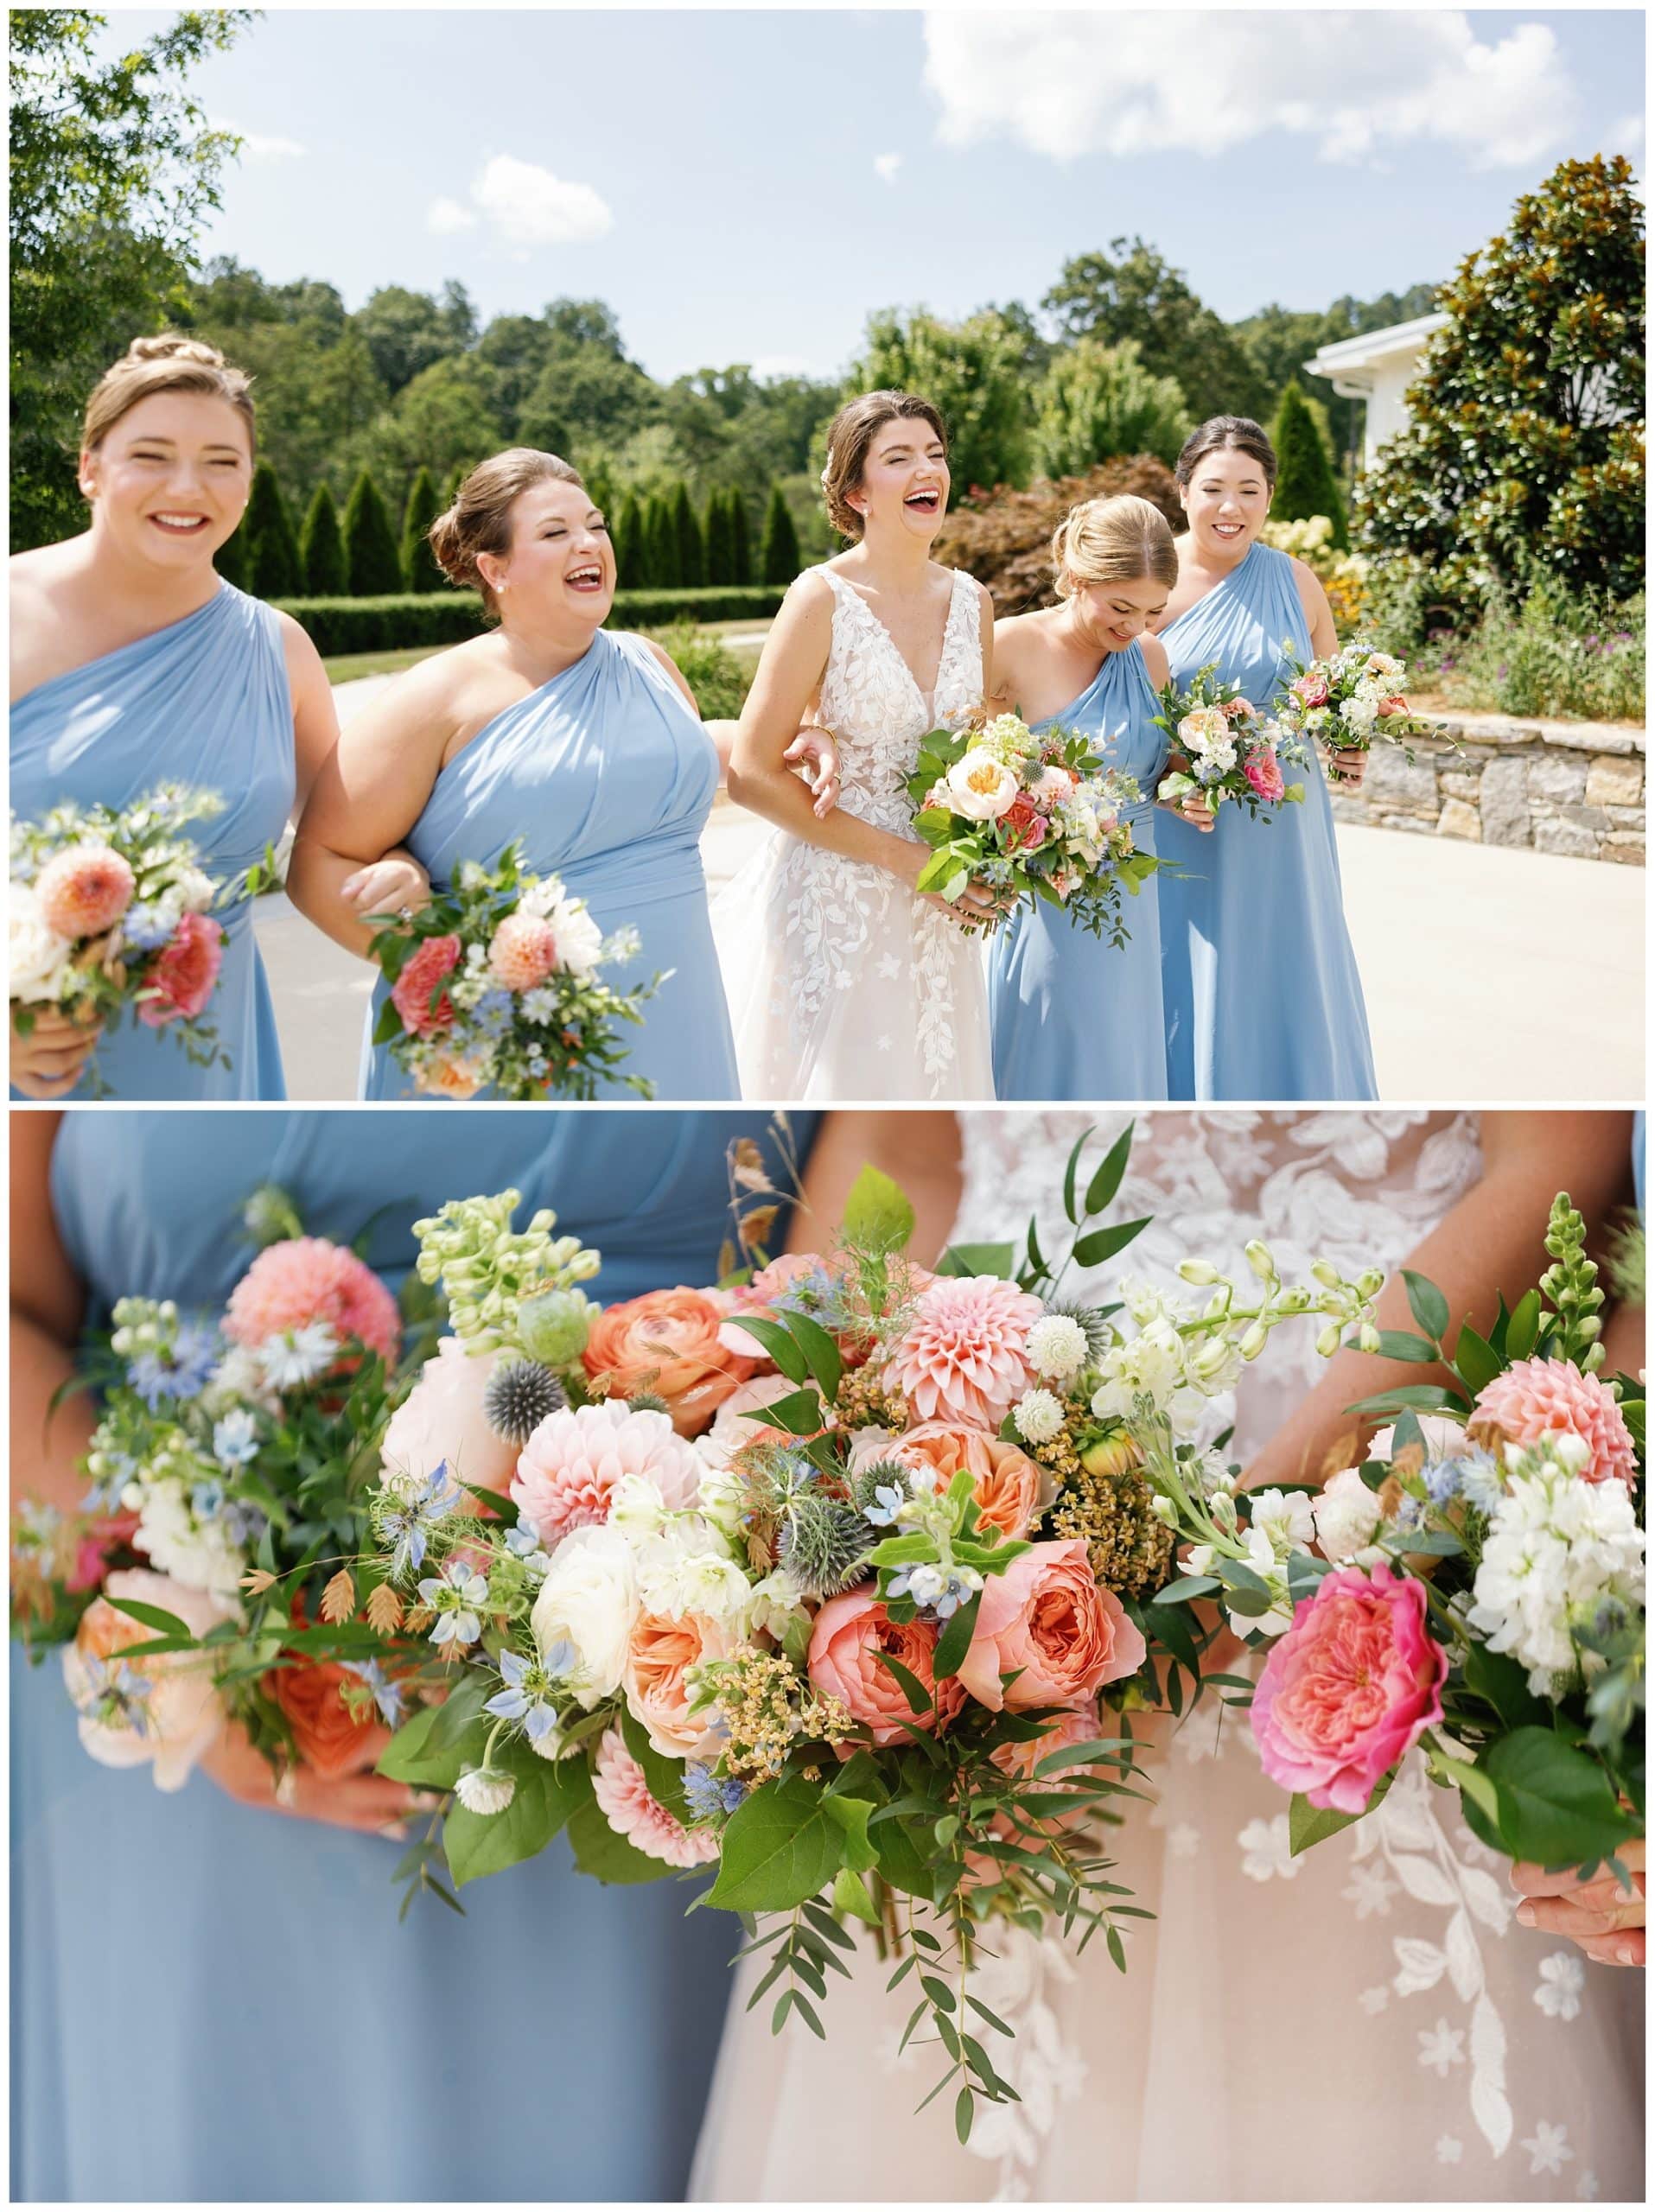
576	935
197	1557
771	1605
636	1505
979	786
1347	1515
1555	1549
687	1569
1284	1518
590	1601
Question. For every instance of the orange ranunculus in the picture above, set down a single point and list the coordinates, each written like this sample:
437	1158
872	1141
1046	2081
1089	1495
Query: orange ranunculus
667	1341
331	1741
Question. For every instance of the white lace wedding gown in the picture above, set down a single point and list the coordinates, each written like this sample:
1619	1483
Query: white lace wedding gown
1366	2023
842	985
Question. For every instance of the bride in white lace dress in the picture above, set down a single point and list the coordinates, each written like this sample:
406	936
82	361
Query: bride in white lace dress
843	983
1368	2022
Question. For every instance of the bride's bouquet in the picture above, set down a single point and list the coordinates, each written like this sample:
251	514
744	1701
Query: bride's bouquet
1475	1587
1221	748
1343	704
1032	814
495	984
110	912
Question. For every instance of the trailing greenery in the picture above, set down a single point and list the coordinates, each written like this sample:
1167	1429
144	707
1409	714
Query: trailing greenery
373	557
419	570
390	621
1304	483
273	570
323	572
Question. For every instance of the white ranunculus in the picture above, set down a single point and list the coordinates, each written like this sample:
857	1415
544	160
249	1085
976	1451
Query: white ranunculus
1347	1516
181	1710
39	959
979	786
590	1601
578	938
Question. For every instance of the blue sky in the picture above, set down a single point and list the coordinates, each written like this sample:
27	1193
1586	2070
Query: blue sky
748	185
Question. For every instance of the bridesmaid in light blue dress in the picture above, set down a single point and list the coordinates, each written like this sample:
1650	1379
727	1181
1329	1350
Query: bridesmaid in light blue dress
1072	1016
1262	993
213	2001
133	665
584	743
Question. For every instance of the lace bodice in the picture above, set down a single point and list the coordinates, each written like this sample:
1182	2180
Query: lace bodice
875	708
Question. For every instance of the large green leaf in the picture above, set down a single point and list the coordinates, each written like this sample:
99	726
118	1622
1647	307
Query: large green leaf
1308	1823
826	1366
1107	1180
779	1342
548	1792
1557	1806
1103	1244
978	1260
1427	1304
780	1847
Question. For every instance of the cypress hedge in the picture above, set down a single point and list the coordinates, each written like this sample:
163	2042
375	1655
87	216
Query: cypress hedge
390	621
692	550
715	535
661	544
781	559
419	571
272	556
322	550
631	553
373	557
741	538
1305	484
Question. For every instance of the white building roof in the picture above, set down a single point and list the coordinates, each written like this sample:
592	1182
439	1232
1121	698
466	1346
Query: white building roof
1374	346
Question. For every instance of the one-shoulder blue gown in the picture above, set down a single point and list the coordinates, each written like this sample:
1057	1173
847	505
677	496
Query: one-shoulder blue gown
1259	975
204	701
1071	1016
609	779
210	2001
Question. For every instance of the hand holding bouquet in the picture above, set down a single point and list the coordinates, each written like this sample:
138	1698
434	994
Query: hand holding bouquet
1221	748
494	983
1344	702
1030	815
111	910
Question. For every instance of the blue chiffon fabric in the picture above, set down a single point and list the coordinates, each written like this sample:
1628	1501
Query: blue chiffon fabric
1259	979
213	2002
607	778
204	701
1072	1016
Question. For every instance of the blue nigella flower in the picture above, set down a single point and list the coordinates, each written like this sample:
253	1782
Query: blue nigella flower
148	926
523	1543
387	1695
524	1697
888	1500
707	1794
493	1014
182	1372
206	1501
235	1438
407	1525
119	1693
105	1497
454	1596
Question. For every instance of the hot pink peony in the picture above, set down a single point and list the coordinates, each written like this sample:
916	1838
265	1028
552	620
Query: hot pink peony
849	1635
85	891
1548	1397
524	951
963	1357
1046	1619
624	1799
569	1468
185	973
306	1279
1350	1687
1264	772
427	965
442	1422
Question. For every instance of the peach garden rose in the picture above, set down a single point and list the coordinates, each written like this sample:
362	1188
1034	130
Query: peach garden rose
1046	1617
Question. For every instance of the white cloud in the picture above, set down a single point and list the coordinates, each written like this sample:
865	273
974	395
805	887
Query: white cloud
446	216
524	206
782	364
887	165
258	146
1357	85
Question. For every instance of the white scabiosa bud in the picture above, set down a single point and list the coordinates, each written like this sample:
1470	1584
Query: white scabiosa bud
484	1789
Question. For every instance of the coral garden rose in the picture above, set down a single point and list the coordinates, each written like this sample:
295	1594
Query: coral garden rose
659	1655
1550	1397
964	1355
306	1279
182	1713
1312	690
185	973
1046	1618
1009	1488
442	1422
850	1633
668	1342
622	1792
331	1740
1264	772
1350	1687
450	1075
524	951
1025	823
430	961
568	1469
84	890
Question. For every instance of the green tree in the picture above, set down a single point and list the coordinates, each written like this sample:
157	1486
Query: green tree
740	540
692	552
1131	292
113	172
631	552
1305	484
972	373
230	559
1523	457
1098	402
600	489
780	560
372	559
420	572
405	332
721	549
447	414
273	569
321	549
661	543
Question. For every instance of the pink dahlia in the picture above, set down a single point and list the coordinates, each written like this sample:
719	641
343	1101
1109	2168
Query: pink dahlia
1549	1397
427	964
185	973
568	1469
624	1802
306	1279
963	1357
524	951
84	891
1264	772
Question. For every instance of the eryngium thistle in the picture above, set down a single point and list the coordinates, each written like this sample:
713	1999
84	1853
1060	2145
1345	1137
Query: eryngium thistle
824	1545
1091	1320
884	1474
517	1396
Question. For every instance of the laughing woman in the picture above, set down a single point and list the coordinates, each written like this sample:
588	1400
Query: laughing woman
1263	996
134	664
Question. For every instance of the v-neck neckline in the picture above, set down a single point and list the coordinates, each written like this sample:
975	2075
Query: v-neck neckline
927	699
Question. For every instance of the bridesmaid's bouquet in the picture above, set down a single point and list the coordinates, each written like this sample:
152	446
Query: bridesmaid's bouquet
111	910
1476	1585
199	1582
1343	704
1222	746
495	984
1034	815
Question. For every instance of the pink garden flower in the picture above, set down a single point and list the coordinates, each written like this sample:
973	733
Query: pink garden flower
1239	711
1046	1620
962	1357
173	1717
849	1634
624	1799
442	1423
185	973
306	1279
569	1468
427	964
1311	689
1351	1686
84	891
524	951
1550	1397
1264	772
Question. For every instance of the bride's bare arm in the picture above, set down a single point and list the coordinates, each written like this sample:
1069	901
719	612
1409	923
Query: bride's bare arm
1493	1241
919	1150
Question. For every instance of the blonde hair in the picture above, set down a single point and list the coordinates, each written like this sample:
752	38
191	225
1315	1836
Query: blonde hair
480	521
849	436
169	363
1112	542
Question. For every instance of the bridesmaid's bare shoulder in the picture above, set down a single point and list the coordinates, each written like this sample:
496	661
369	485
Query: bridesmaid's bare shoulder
1155	660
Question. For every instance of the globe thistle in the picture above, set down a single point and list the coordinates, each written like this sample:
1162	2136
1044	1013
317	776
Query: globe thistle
824	1545
517	1396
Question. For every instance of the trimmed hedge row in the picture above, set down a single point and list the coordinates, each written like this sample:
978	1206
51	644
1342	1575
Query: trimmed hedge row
394	620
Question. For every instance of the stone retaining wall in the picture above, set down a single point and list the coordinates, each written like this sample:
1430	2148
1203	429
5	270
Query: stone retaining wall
1575	788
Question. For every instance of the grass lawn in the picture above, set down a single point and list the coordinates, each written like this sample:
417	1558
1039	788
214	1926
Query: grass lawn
343	668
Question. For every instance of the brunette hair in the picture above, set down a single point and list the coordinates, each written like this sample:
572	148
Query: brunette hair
1239	431
480	521
849	436
169	363
1113	541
